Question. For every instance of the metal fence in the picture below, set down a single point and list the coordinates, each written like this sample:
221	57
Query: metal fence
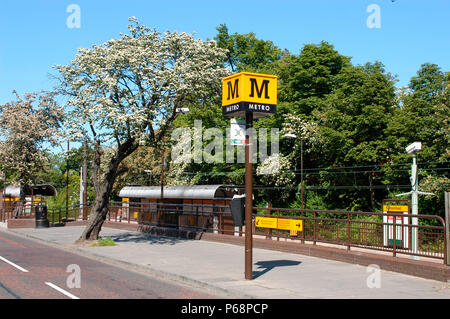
16	209
363	230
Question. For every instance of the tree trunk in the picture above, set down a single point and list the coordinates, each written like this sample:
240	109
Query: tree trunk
103	189
98	214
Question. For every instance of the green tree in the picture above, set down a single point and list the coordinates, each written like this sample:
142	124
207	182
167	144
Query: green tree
416	118
305	79
248	53
422	115
126	92
28	127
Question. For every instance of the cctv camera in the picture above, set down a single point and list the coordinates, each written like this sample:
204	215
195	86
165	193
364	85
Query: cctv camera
414	147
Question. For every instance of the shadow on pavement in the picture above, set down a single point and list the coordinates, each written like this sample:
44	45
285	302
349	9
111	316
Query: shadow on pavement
142	238
266	266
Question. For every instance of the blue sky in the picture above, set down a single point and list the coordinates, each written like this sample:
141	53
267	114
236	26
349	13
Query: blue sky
34	35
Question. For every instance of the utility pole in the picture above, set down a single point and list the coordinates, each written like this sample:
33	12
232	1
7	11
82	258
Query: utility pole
414	202
447	225
3	177
162	168
67	180
301	169
414	149
85	197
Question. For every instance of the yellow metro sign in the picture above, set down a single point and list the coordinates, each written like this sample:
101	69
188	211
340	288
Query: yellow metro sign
249	92
293	225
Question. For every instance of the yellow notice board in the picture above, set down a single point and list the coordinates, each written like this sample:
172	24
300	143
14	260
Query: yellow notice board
396	208
266	222
293	225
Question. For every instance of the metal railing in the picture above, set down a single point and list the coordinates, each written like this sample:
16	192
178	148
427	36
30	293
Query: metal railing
363	230
204	217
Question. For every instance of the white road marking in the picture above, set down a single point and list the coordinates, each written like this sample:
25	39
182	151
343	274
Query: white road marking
68	294
13	264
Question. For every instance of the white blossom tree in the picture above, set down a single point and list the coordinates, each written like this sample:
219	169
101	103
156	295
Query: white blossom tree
125	93
28	127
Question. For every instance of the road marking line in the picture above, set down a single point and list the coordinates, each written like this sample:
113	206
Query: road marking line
13	264
68	294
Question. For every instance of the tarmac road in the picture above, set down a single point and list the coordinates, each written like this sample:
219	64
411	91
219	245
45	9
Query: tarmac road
30	270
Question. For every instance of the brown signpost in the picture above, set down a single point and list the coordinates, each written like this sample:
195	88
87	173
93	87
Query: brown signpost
249	95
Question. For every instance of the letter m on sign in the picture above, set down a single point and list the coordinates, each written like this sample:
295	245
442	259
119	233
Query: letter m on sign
259	91
233	92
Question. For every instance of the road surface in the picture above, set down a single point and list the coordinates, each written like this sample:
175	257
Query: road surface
30	270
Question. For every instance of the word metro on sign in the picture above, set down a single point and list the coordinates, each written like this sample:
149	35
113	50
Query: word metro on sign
249	92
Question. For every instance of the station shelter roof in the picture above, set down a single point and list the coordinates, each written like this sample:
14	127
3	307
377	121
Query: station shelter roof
42	189
179	192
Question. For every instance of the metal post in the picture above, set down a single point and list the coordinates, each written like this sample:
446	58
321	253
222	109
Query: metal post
162	168
314	228
248	198
447	226
414	205
67	180
268	213
3	195
394	225
85	199
161	206
348	231
301	169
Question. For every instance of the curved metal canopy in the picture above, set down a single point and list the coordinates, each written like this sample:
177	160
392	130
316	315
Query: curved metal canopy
43	190
179	192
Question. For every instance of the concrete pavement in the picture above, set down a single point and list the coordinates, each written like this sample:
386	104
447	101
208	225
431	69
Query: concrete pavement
220	267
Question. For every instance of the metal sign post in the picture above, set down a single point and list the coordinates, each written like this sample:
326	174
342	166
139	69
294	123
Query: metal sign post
447	225
249	95
248	198
414	149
